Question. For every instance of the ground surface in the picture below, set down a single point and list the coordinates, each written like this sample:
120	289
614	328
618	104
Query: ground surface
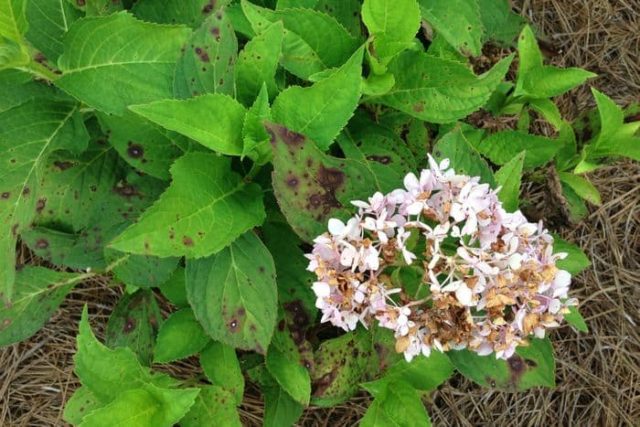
598	372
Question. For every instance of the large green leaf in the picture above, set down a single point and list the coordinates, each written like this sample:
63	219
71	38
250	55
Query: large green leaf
464	157
189	12
503	146
234	295
206	207
582	186
17	87
500	23
213	405
392	23
531	366
221	366
508	177
13	21
207	61
313	41
80	404
143	407
28	134
214	120
49	21
39	292
284	362
179	336
257	63
134	324
439	90
114	61
458	21
321	111
312	187
143	145
397	404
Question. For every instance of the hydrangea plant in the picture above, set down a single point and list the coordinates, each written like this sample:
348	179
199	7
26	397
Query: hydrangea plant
193	151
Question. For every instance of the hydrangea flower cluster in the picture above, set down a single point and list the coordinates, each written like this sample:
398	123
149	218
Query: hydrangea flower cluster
491	274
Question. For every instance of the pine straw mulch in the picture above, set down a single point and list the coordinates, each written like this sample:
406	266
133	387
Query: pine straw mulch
598	373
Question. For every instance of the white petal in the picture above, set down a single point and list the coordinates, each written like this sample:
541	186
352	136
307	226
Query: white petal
464	295
321	289
562	279
336	227
411	182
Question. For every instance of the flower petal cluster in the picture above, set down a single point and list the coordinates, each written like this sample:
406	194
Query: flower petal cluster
490	275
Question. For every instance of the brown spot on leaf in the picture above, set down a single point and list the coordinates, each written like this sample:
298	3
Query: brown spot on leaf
233	325
385	160
208	8
129	325
40	205
42	244
321	385
63	165
135	151
215	31
26	191
418	107
126	190
203	55
292	181
187	241
5	195
287	136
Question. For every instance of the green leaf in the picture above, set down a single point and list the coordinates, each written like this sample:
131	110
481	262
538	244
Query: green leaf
531	366
398	404
346	12
39	292
257	63
616	138
49	22
234	295
286	4
221	366
134	323
28	134
279	408
189	12
143	145
142	271
392	24
18	87
118	51
500	23
503	146
464	158
582	187
142	407
174	289
549	81
312	187
284	362
80	404
13	21
575	319
576	260
213	120
180	336
529	55
207	61
576	205
205	208
341	364
422	373
213	405
458	21
313	41
255	137
108	373
323	109
439	90
508	177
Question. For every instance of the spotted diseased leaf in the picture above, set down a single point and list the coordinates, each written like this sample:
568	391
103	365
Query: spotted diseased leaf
118	51
142	144
258	62
439	90
531	366
310	186
208	59
458	21
213	120
180	336
346	12
188	12
29	133
39	292
234	294
80	404
321	111
134	324
212	403
206	207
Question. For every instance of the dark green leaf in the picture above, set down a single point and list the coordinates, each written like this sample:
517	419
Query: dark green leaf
458	21
285	364
397	404
503	146
180	336
213	405
464	158
221	366
508	177
576	260
189	12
